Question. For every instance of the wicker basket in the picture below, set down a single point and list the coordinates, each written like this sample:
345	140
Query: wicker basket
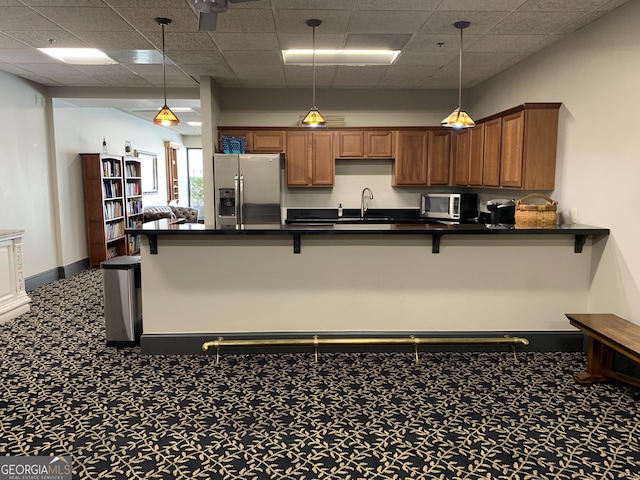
536	215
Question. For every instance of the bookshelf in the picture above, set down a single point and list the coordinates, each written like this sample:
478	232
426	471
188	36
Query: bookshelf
133	200
104	206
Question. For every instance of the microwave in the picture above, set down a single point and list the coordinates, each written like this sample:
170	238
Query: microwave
449	206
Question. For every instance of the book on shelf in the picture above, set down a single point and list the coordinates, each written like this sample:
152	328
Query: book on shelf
112	252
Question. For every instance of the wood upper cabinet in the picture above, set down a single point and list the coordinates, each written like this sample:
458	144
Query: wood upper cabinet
492	152
410	167
258	141
476	155
364	144
309	159
461	142
439	157
529	146
268	142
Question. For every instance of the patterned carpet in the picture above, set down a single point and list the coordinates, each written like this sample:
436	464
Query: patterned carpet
377	416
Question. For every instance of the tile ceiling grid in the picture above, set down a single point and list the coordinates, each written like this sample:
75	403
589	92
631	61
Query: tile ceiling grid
244	51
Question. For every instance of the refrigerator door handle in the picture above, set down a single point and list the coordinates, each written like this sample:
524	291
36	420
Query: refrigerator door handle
241	200
236	185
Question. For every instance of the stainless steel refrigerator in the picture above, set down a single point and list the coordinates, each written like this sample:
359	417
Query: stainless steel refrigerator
247	189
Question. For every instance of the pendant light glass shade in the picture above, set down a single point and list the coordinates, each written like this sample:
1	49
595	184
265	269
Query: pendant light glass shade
314	118
165	116
459	118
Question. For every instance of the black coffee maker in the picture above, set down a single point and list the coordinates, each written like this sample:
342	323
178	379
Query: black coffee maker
502	211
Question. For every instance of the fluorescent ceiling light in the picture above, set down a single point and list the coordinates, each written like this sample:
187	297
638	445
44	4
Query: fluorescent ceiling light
79	56
195	124
339	57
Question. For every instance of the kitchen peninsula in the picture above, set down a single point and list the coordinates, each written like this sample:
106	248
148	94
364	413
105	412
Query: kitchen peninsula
199	283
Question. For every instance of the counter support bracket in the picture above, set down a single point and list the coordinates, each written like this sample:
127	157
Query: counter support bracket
296	244
435	245
580	241
153	244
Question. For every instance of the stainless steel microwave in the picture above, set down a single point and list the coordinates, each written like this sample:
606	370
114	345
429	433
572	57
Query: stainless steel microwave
449	206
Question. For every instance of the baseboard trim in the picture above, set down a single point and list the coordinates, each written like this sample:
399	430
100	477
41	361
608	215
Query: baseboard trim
58	273
191	344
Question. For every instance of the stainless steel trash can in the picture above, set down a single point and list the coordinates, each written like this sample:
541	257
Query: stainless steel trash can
122	300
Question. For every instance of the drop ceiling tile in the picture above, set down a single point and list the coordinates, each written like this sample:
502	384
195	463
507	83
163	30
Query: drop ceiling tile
242	41
294	21
561	5
441	22
42	80
428	5
387	21
48	38
205	57
313	4
11	3
409	58
297	75
431	43
103	70
10	41
253	57
359	76
254	21
142	19
389	41
579	23
181	41
130	80
64	3
23	18
173	81
612	5
506	43
480	5
324	41
76	18
523	23
400	82
116	40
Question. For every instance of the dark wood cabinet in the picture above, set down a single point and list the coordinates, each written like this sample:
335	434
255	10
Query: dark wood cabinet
364	144
410	167
309	159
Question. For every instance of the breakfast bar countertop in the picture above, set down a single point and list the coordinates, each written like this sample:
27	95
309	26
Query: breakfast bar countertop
436	230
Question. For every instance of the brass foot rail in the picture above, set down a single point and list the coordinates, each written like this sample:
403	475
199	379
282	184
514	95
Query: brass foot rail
315	341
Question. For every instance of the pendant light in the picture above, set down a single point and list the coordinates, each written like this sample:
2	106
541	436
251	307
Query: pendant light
459	118
314	118
165	116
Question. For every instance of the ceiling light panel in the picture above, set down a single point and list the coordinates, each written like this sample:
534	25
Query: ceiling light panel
340	57
79	56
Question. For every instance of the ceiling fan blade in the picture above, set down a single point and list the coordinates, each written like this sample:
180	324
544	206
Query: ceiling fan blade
207	21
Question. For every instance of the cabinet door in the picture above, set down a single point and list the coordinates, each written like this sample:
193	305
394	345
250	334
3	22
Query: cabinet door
378	144
268	142
439	157
512	144
350	144
461	157
492	149
476	155
411	158
322	159
297	158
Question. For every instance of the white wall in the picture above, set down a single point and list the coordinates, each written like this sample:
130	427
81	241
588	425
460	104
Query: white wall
595	74
25	172
80	130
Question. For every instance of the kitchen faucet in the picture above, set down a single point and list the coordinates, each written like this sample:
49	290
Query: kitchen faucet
363	202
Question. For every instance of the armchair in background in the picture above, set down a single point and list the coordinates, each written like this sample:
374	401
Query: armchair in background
190	215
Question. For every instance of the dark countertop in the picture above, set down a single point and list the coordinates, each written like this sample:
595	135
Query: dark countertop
163	227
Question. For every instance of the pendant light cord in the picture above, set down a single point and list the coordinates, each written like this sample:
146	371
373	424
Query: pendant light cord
164	68
313	57
460	76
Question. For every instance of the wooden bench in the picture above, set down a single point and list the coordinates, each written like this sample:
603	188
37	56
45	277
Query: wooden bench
607	334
